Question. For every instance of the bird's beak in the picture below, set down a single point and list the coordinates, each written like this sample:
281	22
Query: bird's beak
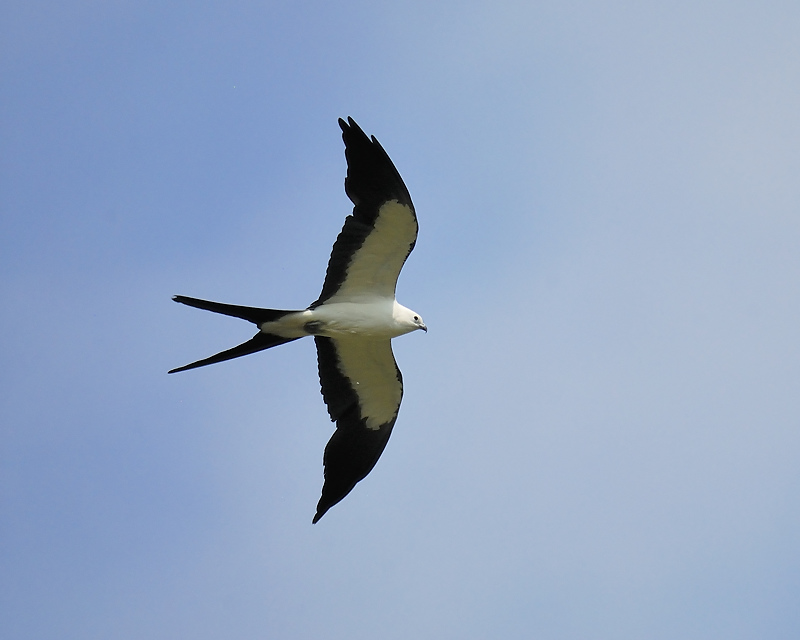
424	328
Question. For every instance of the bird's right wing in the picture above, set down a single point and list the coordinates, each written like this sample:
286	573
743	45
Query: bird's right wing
380	234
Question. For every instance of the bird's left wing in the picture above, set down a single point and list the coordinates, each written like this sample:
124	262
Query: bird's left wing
377	238
362	387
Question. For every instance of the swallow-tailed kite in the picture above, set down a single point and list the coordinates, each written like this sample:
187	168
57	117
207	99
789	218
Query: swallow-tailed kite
354	319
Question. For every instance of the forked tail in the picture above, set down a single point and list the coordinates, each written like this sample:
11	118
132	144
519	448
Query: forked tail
257	316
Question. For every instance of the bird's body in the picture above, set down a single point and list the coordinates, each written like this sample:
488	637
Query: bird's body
354	319
372	318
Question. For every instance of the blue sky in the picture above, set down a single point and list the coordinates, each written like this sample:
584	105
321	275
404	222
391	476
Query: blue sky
600	436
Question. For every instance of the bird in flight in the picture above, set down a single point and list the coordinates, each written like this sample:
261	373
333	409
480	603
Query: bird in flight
354	319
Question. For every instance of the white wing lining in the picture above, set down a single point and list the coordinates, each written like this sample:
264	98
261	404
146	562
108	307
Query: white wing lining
373	374
375	266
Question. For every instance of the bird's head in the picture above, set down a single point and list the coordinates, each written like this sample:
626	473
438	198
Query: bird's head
408	319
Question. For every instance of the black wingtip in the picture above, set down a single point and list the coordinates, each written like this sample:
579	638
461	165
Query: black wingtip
321	511
347	125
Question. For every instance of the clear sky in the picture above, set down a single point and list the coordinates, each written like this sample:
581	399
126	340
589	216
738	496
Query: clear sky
600	436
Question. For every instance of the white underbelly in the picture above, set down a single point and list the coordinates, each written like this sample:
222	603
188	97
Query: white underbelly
372	319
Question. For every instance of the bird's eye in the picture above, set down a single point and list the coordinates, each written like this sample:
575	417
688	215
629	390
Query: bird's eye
416	318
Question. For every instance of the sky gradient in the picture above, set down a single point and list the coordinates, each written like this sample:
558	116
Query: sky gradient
600	434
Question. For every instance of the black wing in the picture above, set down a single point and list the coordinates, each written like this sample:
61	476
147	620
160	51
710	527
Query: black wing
380	234
362	387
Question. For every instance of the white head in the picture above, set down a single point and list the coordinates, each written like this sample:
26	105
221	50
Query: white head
408	320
